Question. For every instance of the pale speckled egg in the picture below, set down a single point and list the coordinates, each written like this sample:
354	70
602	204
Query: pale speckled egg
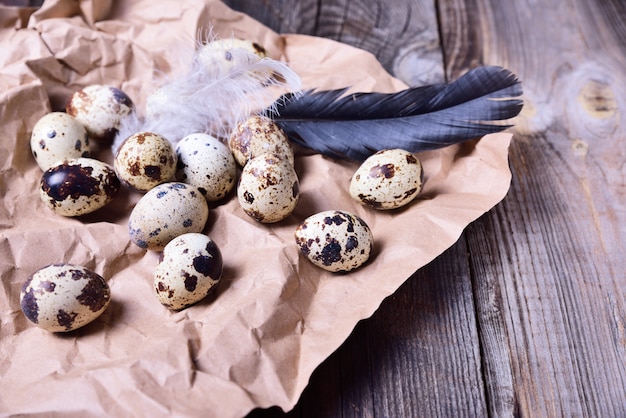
388	179
165	212
205	162
99	109
222	46
144	160
334	240
268	189
259	135
57	137
78	186
190	267
64	297
221	56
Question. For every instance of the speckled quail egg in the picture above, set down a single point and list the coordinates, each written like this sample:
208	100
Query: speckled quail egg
259	135
56	137
100	109
190	268
144	160
388	179
334	240
268	189
78	186
165	212
205	162
64	297
221	55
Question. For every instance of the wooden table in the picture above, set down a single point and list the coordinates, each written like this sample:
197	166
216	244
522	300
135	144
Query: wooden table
526	314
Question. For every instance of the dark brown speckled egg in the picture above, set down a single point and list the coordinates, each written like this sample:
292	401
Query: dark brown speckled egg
144	160
190	268
64	297
334	240
388	179
78	186
99	109
268	189
259	135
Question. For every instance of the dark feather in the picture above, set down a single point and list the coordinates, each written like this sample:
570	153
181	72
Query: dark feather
357	125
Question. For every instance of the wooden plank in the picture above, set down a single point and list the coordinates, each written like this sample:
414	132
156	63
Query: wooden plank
549	268
403	34
425	344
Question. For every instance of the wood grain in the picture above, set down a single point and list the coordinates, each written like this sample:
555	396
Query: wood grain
553	342
402	34
526	314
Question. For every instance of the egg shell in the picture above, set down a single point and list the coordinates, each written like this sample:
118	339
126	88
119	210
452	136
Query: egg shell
336	241
57	137
388	179
190	267
99	109
222	46
259	135
205	162
268	189
165	212
144	160
78	186
221	55
64	297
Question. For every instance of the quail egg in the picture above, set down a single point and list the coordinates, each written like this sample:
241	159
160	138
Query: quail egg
64	297
268	189
144	160
334	240
165	212
56	137
259	135
388	179
78	186
190	268
222	55
100	109
208	164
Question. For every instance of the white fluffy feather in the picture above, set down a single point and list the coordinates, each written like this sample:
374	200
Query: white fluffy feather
220	88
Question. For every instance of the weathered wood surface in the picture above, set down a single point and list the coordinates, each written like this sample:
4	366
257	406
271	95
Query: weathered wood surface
526	314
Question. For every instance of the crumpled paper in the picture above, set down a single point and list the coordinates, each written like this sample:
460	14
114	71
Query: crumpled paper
274	317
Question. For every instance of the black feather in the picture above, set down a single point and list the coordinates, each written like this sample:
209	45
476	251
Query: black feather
356	125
